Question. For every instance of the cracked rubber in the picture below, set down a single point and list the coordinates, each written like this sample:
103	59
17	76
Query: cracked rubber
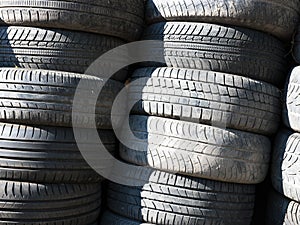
42	97
206	97
174	199
123	19
197	150
49	204
276	17
291	103
114	219
62	50
281	210
220	48
48	154
285	164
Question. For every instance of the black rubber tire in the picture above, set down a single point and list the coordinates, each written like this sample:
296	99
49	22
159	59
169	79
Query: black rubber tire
49	204
296	46
207	97
285	166
40	97
123	19
219	48
62	50
277	17
47	154
110	218
173	199
291	103
197	150
282	211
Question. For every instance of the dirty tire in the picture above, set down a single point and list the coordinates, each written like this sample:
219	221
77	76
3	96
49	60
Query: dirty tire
285	167
219	48
47	154
114	219
197	150
62	50
281	210
123	19
278	17
175	199
44	97
291	105
49	204
207	97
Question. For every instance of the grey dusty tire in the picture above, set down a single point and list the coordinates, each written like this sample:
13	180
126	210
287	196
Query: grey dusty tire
47	154
46	98
197	150
277	17
206	97
123	19
62	50
114	219
281	210
174	199
291	107
285	166
220	48
49	204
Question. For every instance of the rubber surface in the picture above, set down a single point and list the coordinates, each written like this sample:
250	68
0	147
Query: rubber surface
207	97
285	166
277	17
282	211
114	219
123	19
220	48
46	98
197	150
52	49
291	106
49	204
47	154
174	199
296	46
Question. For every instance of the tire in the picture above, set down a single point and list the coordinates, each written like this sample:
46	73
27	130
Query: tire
40	97
122	19
197	150
278	17
285	168
282	211
62	50
291	108
219	48
174	199
114	219
296	46
207	97
47	154
49	204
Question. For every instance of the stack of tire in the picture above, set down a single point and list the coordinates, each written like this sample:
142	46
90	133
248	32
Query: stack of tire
284	199
204	119
45	48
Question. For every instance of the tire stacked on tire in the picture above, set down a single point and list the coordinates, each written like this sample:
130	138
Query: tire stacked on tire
46	46
203	119
284	201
